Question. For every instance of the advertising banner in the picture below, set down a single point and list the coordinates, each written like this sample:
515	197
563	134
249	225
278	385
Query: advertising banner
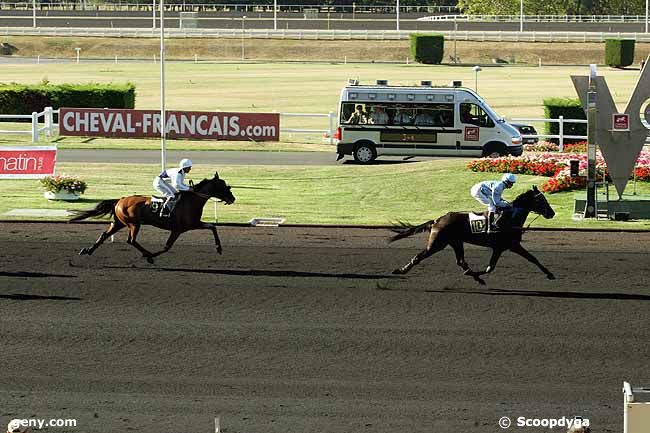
197	125
27	162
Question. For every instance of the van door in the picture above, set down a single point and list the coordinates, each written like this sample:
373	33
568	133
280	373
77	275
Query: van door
477	127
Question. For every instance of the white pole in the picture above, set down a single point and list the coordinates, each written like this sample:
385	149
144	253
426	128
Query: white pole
646	16
521	16
163	123
243	20
275	14
397	15
34	10
153	24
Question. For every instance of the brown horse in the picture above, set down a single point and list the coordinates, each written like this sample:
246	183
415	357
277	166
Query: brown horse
134	211
454	229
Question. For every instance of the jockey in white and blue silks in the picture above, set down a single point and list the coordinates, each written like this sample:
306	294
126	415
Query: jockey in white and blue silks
489	194
170	181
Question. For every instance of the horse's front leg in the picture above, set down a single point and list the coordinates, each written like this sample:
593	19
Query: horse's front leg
496	254
168	245
523	252
217	241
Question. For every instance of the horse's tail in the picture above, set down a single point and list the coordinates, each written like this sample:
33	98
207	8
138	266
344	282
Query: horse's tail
407	230
104	207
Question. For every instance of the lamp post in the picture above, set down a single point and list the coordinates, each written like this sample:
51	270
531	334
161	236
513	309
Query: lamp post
476	70
646	16
521	15
275	14
243	20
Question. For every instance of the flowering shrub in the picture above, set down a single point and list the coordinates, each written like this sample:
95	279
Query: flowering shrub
553	165
63	182
545	146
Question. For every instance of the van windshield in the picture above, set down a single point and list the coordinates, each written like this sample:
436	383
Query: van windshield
490	112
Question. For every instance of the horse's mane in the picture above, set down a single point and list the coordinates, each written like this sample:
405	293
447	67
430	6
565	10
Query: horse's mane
201	184
517	202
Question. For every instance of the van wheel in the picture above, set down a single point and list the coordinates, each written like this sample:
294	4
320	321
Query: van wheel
365	153
494	150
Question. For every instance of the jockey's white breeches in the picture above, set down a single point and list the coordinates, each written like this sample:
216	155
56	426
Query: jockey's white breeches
163	187
483	197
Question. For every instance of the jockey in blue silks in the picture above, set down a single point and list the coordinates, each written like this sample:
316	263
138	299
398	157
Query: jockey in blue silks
489	193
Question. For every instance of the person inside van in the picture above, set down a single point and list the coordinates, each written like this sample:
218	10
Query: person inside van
423	118
379	116
359	116
466	115
402	117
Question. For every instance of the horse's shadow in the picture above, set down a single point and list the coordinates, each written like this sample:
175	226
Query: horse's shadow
265	273
26	297
546	294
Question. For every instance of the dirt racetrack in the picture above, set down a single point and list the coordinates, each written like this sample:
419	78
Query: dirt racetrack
305	330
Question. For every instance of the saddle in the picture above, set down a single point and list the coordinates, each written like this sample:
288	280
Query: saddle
156	206
478	221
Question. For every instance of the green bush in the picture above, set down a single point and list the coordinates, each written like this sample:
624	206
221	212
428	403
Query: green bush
427	48
619	53
570	108
24	99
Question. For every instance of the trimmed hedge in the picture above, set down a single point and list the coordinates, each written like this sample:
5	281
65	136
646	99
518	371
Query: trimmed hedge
24	99
570	108
427	48
619	53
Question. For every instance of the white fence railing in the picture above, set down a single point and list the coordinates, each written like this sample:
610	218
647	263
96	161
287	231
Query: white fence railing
540	18
560	135
36	129
482	36
330	131
50	127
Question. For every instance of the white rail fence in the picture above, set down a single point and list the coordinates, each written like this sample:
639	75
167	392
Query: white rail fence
35	130
482	36
330	131
540	18
50	127
560	136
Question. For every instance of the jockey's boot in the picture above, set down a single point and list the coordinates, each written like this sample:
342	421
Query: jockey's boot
490	222
167	207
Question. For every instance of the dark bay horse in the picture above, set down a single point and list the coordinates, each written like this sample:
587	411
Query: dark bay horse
454	229
134	211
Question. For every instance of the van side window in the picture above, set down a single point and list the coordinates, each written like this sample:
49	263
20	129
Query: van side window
353	114
474	115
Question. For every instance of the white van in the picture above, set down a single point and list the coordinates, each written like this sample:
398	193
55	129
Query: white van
379	119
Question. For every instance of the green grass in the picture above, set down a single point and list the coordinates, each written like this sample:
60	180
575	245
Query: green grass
346	194
513	91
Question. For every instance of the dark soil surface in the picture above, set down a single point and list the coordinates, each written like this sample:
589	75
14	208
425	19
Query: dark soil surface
305	330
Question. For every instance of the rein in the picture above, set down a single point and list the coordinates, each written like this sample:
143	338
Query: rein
524	230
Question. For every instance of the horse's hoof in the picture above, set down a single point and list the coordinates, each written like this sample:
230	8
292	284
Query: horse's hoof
150	260
480	281
219	250
550	276
84	252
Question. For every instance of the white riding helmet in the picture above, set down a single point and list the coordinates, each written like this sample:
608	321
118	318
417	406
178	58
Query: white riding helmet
185	163
509	178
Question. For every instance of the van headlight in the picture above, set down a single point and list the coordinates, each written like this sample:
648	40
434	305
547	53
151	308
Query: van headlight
516	140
